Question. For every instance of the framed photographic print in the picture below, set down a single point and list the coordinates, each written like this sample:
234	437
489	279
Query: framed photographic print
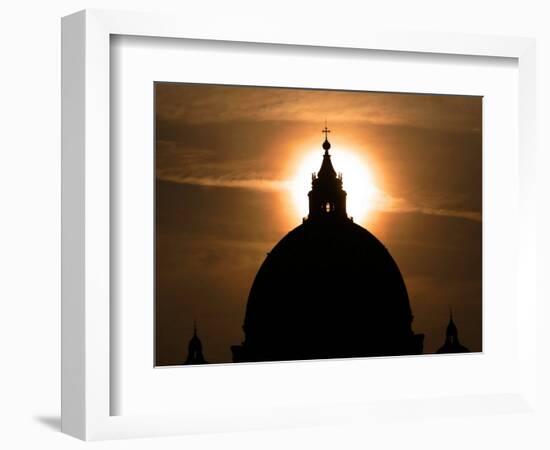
266	228
268	224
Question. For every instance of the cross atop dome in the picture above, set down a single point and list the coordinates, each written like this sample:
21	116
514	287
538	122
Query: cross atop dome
326	144
326	131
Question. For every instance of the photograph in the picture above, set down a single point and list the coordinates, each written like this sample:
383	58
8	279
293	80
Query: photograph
308	224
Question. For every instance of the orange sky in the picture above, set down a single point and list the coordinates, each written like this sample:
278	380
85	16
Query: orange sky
224	159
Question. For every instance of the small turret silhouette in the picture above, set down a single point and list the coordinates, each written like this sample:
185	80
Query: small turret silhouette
194	355
452	344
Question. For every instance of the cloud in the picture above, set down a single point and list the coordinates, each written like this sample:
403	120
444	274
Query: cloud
399	205
228	182
469	215
199	104
384	202
246	138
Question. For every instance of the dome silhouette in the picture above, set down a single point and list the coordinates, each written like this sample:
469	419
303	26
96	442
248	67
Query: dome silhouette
328	289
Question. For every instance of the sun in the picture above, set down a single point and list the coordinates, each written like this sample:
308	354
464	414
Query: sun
357	182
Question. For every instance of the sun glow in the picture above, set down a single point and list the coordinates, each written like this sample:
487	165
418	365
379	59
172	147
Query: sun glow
357	182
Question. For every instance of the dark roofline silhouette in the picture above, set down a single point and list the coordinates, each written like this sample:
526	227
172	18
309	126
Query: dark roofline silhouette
194	349
452	343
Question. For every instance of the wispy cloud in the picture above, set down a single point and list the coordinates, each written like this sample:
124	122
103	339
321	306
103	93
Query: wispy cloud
228	182
198	104
469	215
384	202
391	204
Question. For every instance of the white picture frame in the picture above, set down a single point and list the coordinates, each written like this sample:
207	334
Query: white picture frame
86	216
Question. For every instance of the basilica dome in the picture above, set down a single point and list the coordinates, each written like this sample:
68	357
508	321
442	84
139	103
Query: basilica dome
328	289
